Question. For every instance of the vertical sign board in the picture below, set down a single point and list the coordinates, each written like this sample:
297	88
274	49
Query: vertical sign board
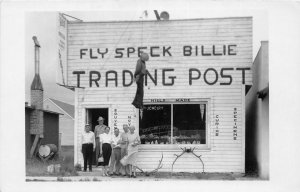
61	75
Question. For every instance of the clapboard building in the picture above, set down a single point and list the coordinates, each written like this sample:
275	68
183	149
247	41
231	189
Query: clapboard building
257	115
195	87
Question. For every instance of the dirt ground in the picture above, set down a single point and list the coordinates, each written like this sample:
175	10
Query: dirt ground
159	176
37	168
37	171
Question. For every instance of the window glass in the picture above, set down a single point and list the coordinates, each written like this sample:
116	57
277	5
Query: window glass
155	124
189	123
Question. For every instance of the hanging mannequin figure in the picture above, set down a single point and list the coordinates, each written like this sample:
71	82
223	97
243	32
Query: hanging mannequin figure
139	74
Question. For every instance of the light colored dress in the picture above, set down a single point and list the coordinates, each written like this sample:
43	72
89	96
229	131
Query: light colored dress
132	150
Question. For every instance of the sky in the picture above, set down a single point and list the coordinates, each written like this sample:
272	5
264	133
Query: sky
44	26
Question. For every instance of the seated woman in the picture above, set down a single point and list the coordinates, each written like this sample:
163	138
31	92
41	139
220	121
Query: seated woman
105	149
133	142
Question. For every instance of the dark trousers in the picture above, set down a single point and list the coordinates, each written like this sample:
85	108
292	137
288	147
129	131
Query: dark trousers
139	95
87	151
106	150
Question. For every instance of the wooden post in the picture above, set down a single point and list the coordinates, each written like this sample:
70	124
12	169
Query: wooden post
59	143
33	147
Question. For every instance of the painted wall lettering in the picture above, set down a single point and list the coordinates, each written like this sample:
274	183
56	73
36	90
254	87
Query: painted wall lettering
125	52
96	78
177	100
162	76
211	77
235	118
78	73
243	73
215	75
226	76
217	123
164	71
153	79
124	78
182	100
159	51
115	119
113	77
129	120
213	50
157	100
197	75
154	108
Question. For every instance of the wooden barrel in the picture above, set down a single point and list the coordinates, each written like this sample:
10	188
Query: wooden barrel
47	150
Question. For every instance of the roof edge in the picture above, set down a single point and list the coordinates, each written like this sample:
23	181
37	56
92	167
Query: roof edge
142	21
61	108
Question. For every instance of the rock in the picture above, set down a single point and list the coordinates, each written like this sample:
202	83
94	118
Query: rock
57	168
53	168
50	169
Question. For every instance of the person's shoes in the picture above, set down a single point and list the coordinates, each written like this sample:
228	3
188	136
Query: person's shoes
84	170
90	170
134	176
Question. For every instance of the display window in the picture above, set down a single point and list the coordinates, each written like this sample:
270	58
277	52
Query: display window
172	123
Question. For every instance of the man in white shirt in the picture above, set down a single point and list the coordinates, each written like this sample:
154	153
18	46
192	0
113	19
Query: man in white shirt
116	153
88	146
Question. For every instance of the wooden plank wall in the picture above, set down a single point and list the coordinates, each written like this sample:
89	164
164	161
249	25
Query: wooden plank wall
224	154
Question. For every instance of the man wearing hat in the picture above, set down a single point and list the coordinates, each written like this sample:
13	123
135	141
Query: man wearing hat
99	129
139	74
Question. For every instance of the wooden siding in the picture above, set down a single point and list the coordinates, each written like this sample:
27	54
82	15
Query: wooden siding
222	153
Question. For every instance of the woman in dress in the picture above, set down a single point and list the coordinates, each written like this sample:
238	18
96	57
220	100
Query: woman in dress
105	149
133	142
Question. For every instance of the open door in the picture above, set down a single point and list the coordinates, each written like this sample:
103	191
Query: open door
88	117
92	115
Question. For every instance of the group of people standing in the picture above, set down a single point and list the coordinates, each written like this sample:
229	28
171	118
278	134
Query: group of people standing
111	148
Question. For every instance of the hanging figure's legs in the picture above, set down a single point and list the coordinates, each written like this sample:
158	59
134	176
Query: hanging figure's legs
139	96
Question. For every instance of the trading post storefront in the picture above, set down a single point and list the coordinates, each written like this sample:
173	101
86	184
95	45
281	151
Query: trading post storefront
194	93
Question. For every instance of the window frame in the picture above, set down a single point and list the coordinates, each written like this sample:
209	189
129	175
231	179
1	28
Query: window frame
175	147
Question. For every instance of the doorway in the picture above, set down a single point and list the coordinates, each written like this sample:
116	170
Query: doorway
92	115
